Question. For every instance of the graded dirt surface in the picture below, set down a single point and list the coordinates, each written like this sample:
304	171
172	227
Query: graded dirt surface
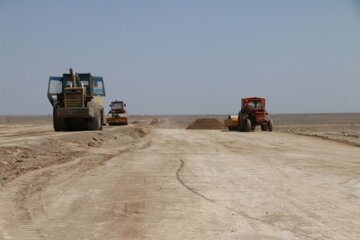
153	179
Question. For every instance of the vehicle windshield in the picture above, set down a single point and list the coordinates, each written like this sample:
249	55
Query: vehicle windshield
258	104
255	104
117	105
55	86
98	87
78	83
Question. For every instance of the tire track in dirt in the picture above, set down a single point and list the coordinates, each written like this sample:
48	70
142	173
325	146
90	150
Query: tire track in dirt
343	141
27	197
182	165
241	213
41	180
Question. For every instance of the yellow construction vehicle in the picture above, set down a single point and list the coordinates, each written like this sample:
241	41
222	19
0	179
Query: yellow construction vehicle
117	114
77	101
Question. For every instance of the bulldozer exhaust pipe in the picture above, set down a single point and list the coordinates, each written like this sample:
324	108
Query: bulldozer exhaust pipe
73	77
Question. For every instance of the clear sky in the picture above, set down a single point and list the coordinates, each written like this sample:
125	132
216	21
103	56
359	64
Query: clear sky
185	56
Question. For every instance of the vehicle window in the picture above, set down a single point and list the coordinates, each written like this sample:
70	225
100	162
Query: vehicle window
84	83
55	86
251	105
78	83
98	87
118	105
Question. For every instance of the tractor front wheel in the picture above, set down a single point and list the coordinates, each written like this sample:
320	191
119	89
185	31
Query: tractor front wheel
59	123
248	127
270	125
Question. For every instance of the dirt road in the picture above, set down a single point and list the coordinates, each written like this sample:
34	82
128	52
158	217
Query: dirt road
144	182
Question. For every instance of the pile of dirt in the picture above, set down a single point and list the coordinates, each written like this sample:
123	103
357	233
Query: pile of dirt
206	123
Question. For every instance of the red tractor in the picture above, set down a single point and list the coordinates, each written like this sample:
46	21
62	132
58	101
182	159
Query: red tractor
253	113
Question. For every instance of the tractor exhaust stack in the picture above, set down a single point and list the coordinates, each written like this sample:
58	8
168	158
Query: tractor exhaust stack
73	77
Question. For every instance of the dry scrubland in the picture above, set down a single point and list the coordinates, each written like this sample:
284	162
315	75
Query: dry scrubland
154	179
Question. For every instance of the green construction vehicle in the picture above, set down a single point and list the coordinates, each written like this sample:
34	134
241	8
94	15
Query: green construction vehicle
77	100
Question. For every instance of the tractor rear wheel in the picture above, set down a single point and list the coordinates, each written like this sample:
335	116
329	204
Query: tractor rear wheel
248	127
59	123
264	127
270	125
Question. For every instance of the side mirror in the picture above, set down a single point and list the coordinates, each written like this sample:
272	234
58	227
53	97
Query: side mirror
124	104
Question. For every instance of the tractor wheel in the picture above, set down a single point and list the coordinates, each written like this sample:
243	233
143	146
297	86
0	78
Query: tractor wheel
59	123
253	127
76	125
248	125
242	122
264	127
94	123
270	125
101	119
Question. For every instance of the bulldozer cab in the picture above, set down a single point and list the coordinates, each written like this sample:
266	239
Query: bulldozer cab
92	86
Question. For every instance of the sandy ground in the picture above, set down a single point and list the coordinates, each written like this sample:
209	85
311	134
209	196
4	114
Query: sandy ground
155	180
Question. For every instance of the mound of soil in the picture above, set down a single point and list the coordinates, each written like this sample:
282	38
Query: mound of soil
206	123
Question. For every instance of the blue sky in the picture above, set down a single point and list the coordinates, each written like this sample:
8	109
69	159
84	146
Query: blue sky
183	56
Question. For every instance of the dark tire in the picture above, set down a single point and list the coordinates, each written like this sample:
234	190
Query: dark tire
76	124
253	127
94	123
248	125
264	127
101	119
242	122
59	123
270	125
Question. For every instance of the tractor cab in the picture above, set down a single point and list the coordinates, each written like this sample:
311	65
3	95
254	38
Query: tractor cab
74	88
253	103
117	107
255	109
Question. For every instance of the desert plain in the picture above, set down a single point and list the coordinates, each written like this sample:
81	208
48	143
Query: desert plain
155	179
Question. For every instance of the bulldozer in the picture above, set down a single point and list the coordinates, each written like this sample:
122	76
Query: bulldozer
117	114
77	100
252	114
